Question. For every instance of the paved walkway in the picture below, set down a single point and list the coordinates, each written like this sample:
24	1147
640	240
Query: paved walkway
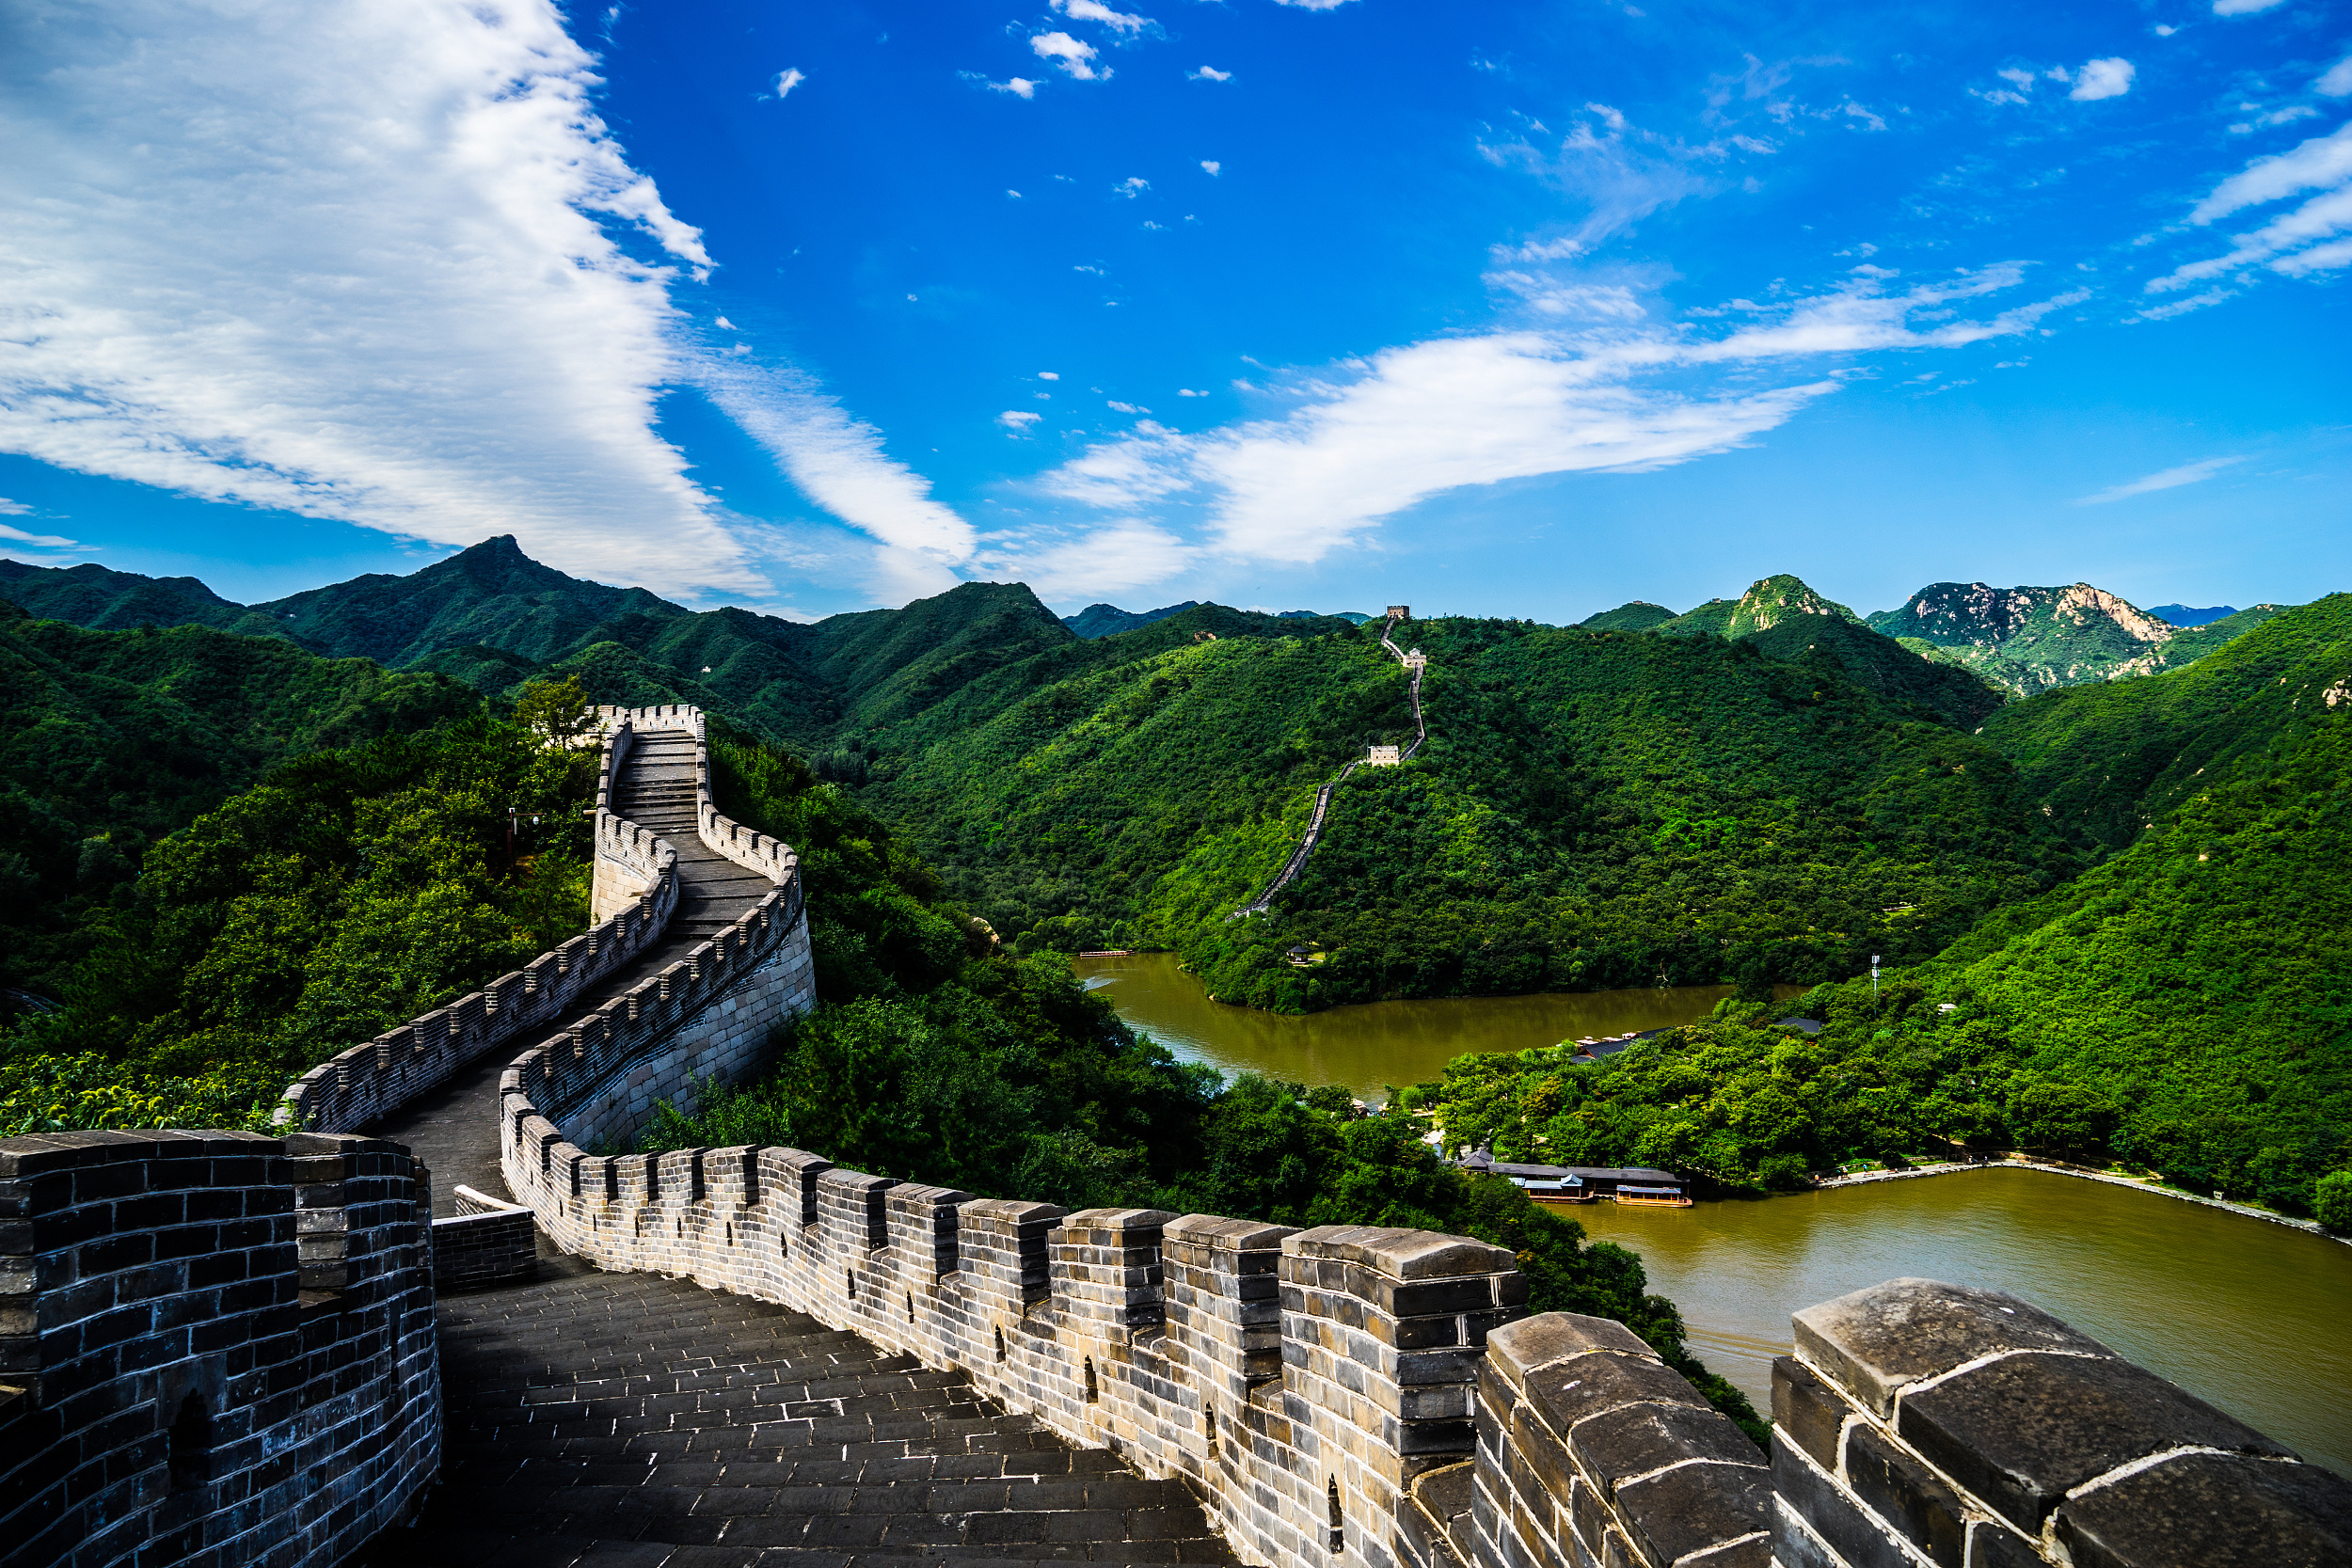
621	1420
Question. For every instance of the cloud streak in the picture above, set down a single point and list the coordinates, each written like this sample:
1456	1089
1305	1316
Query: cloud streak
2168	479
1373	437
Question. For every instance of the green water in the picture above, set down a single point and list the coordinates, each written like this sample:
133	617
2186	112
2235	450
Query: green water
1376	1044
2248	1315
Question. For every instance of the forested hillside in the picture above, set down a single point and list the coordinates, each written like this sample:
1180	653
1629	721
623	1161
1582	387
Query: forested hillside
109	740
1592	810
2186	1005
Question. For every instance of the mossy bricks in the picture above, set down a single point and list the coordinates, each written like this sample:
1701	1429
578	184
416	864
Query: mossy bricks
1925	1422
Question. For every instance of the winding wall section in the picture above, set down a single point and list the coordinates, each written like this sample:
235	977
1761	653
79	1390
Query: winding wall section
1297	863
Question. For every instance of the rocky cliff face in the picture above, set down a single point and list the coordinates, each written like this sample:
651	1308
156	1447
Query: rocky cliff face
2026	640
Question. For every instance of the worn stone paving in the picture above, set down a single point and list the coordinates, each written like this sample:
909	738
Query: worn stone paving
625	1420
633	1421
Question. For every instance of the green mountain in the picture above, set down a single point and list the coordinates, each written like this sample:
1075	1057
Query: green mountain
1789	620
107	600
1592	809
1101	620
2108	760
109	740
1769	602
2029	640
1634	615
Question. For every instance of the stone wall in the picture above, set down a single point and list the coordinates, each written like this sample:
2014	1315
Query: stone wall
487	1242
216	1348
1920	1423
363	1085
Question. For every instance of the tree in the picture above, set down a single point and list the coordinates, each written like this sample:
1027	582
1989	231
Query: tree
2045	1114
556	711
2333	1203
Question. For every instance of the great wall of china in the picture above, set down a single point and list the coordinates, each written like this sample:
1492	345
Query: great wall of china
1380	756
221	1348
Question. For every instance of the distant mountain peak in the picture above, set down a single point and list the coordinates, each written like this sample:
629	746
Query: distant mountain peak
1772	600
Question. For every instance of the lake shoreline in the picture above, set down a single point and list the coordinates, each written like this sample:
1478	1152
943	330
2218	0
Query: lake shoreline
1954	1167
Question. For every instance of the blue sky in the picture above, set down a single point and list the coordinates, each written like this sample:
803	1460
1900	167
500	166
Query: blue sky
1512	309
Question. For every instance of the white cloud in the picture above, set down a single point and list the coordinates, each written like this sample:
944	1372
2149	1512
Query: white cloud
1049	375
1018	419
1019	86
372	261
1188	392
1094	10
1075	57
2164	29
788	80
2290	243
837	460
13	509
1015	195
1131	187
1124	554
2241	7
1209	73
46	541
1212	166
2108	78
2169	479
2337	83
1871	120
723	324
1128	407
1313	5
1609	172
1371	438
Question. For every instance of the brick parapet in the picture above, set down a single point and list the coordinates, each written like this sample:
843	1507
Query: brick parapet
218	1347
1918	1423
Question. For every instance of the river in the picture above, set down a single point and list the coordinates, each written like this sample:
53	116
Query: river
2248	1315
1370	1046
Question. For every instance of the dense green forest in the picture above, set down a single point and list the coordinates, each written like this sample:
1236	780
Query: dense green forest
350	889
111	740
2184	1006
1593	809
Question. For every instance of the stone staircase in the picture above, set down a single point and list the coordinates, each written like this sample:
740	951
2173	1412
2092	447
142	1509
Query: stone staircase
628	1419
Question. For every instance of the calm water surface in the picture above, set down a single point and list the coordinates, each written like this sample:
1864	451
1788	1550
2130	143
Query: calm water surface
2248	1315
2251	1316
1377	1044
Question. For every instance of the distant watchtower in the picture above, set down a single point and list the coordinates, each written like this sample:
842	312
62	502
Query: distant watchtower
1416	659
1383	756
1400	612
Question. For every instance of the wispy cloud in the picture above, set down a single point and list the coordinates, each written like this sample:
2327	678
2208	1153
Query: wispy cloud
1111	558
788	80
2292	242
2241	7
2166	479
46	541
1075	57
1369	439
839	462
383	264
1209	73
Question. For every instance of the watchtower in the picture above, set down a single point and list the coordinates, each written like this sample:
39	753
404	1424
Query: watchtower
1416	660
1400	612
1383	756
